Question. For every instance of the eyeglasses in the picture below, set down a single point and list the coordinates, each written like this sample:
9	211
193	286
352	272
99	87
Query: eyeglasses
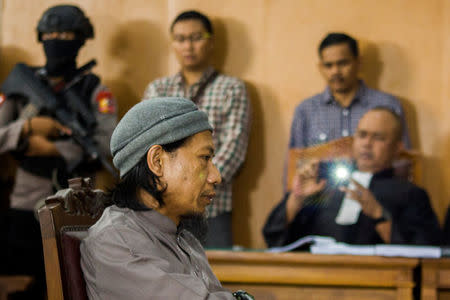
195	37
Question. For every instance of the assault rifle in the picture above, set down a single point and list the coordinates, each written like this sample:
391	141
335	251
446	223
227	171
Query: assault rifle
66	106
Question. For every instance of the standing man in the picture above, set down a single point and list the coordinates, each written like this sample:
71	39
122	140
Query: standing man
335	112
47	154
225	101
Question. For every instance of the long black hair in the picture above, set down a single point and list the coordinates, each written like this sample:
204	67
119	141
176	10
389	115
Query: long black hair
125	193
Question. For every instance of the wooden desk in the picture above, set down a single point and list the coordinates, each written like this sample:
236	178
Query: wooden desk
435	279
308	276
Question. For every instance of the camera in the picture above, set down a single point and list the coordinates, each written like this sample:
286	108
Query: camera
335	172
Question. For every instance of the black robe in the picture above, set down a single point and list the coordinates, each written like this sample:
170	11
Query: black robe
413	219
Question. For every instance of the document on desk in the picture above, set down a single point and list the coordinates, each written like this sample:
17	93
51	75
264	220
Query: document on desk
304	241
378	250
343	248
408	251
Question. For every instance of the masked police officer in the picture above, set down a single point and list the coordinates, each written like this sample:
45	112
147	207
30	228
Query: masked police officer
44	148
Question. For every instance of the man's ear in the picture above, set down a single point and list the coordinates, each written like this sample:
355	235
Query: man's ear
321	68
212	43
359	64
211	46
399	147
154	160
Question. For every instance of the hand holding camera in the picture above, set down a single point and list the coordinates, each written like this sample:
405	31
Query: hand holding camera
306	183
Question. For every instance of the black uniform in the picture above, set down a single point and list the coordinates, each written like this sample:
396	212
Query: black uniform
37	177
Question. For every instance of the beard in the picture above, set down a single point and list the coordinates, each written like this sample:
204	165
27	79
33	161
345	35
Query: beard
197	224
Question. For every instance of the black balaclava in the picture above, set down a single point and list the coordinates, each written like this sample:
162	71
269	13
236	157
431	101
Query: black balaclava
61	56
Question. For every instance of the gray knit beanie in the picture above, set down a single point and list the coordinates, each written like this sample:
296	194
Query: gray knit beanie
157	121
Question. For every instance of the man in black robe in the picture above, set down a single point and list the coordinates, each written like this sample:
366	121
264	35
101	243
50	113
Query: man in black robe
388	209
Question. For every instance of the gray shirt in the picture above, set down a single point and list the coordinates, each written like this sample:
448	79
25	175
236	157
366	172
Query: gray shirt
140	255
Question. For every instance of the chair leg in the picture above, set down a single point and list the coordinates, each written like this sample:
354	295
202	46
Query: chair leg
3	292
11	284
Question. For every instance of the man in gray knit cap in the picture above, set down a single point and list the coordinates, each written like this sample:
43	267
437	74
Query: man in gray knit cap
140	248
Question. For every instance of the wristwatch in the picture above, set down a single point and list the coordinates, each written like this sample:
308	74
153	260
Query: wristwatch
242	295
385	216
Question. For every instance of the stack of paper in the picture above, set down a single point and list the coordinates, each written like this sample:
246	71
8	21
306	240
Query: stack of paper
328	245
304	241
343	248
379	250
408	251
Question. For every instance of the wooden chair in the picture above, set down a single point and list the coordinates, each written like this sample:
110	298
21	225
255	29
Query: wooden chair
408	164
64	221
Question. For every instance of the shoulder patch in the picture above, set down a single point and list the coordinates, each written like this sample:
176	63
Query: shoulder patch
2	99
105	102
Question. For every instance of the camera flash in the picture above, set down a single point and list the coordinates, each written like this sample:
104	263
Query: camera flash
342	173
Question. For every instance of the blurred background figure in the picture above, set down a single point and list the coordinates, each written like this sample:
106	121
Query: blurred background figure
223	98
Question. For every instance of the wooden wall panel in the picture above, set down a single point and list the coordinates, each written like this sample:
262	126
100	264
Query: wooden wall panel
272	45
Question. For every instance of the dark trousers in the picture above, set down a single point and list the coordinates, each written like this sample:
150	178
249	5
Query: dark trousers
23	251
219	232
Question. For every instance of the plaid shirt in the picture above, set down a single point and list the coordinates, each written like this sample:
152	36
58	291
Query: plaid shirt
320	119
226	102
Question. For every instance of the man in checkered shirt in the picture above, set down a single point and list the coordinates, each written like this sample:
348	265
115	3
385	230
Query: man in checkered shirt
335	112
223	98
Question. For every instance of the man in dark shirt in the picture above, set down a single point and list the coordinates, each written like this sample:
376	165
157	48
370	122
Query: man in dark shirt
387	210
